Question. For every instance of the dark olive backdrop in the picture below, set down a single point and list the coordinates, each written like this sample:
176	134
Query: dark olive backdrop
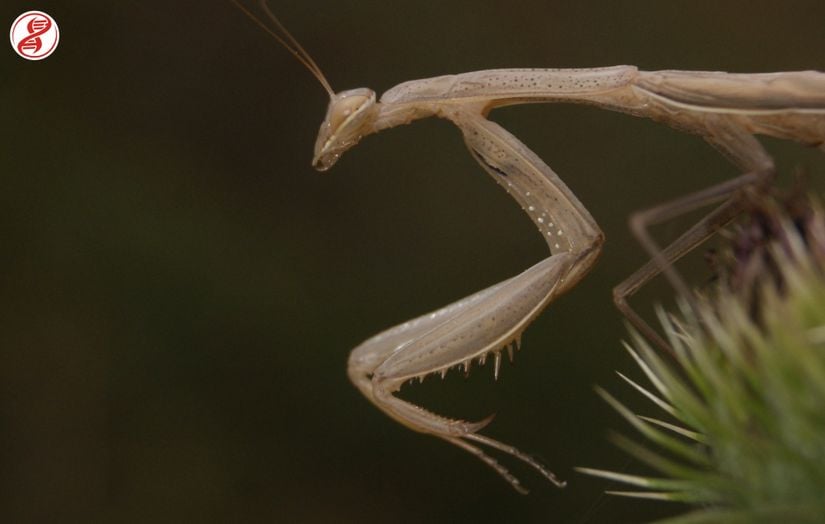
179	290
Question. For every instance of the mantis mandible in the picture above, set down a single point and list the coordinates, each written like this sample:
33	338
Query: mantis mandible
726	109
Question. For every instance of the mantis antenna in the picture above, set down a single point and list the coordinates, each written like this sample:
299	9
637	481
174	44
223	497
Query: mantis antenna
289	42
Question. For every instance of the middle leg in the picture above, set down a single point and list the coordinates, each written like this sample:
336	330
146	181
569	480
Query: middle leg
662	260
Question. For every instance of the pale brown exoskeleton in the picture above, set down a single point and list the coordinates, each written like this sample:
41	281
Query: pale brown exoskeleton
726	109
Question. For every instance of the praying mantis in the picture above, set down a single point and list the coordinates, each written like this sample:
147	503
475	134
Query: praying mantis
726	109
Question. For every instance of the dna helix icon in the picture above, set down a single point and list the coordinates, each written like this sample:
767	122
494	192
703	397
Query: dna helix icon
32	43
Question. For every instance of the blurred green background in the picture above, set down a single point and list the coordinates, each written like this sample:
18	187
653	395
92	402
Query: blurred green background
179	290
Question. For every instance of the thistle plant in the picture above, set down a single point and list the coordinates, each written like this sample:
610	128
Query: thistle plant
741	431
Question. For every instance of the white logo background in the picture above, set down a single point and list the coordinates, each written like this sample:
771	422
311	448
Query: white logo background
34	35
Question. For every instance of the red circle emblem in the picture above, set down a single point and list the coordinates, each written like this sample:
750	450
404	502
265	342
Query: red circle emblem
34	35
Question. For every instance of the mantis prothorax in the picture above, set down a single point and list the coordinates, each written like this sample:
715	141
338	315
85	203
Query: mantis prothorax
726	109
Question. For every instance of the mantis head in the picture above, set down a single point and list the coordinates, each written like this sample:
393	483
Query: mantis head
350	116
